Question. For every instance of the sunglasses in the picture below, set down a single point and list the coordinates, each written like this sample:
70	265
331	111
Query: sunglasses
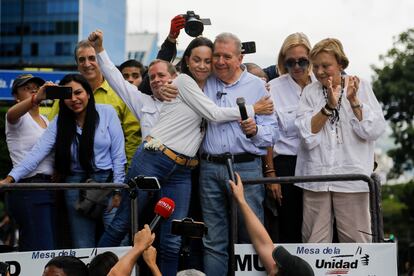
301	62
133	75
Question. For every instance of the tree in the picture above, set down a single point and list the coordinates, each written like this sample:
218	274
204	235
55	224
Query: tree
394	87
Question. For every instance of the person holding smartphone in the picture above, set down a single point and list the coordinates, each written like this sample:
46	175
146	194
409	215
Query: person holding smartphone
24	126
88	143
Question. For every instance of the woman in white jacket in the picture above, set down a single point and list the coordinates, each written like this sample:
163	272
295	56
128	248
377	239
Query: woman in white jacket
339	119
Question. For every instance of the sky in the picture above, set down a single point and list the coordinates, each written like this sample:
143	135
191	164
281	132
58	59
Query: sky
365	27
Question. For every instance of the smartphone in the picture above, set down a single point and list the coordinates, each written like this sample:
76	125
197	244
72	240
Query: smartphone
58	92
146	183
188	228
248	47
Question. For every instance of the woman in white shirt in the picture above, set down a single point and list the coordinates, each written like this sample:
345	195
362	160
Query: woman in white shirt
88	143
339	119
32	210
169	153
286	90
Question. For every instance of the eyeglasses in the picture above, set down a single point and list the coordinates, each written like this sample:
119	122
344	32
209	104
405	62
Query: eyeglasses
133	75
291	62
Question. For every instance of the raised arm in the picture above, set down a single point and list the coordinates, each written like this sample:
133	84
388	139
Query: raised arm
128	92
142	240
260	238
18	110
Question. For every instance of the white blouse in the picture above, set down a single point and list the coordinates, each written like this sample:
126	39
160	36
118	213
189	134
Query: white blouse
349	150
286	95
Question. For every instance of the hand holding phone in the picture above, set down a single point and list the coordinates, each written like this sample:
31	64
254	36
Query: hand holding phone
58	92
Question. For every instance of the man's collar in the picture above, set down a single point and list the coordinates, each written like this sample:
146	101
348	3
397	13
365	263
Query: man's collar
104	86
242	74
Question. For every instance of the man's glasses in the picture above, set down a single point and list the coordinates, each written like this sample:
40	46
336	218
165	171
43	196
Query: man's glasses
133	75
302	62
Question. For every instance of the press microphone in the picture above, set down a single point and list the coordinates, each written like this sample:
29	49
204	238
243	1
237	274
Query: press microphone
243	112
163	210
289	263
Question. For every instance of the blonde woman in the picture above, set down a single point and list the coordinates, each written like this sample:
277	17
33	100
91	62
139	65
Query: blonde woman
339	119
286	90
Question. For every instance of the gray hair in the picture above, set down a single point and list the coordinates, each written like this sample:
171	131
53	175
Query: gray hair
81	44
227	37
190	272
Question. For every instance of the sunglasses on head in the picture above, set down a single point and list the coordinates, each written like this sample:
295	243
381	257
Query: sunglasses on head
302	62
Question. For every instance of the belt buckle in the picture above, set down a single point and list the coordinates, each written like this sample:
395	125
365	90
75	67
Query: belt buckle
179	160
208	157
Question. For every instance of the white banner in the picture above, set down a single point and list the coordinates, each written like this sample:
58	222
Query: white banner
33	263
349	259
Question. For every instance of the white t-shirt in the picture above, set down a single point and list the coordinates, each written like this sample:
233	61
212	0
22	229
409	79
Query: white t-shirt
21	137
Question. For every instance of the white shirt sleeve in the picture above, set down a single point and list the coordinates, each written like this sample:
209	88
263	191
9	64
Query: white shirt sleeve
128	92
304	119
195	98
373	122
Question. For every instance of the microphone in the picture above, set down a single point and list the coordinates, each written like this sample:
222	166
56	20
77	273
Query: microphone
163	210
243	113
289	263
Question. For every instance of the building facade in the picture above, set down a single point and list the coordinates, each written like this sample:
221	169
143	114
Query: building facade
44	33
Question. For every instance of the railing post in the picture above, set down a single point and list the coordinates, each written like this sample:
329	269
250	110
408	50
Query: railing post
233	219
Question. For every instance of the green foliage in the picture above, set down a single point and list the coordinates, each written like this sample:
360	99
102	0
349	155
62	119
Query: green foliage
398	208
394	87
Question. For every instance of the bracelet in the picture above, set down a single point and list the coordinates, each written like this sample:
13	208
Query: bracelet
356	106
328	107
269	171
33	100
326	112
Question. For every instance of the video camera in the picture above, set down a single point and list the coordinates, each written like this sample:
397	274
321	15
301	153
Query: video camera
248	47
194	25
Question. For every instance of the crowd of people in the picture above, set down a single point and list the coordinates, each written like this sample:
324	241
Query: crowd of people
181	124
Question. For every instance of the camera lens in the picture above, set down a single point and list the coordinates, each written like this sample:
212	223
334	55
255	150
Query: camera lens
194	27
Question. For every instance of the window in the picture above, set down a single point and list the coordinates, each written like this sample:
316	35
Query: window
139	55
10	49
63	49
34	49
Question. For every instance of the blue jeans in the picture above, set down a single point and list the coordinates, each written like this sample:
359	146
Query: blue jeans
175	183
83	229
215	196
34	213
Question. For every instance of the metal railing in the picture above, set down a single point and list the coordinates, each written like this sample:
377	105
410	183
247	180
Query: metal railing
373	183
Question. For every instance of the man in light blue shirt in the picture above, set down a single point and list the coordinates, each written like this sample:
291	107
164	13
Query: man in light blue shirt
230	82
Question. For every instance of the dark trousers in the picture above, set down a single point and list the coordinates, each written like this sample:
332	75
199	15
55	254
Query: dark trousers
290	213
33	211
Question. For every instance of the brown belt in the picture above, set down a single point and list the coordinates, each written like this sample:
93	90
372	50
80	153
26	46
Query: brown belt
178	159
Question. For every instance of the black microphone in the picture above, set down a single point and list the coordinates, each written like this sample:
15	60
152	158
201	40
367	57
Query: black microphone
163	209
243	112
291	264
